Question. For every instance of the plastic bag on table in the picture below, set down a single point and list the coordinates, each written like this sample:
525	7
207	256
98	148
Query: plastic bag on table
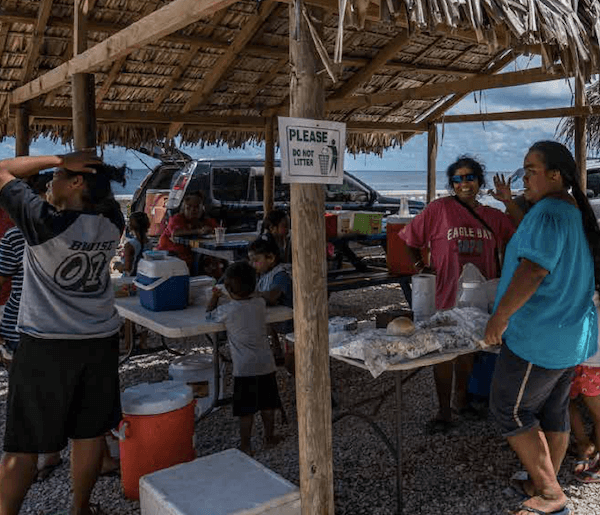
457	328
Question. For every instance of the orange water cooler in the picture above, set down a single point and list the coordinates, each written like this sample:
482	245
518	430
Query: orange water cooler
157	430
398	260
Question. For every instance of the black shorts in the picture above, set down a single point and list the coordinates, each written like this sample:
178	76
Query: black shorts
255	393
60	389
524	395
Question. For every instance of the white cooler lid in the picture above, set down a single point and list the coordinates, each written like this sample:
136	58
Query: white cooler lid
155	398
170	266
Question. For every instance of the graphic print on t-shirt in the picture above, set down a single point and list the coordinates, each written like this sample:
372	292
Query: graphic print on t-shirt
469	240
80	272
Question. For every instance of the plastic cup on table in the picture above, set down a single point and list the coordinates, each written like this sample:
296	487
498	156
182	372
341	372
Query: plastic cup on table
220	235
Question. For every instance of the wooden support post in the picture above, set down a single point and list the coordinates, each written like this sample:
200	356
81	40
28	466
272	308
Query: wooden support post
432	148
581	134
269	177
313	388
82	85
22	131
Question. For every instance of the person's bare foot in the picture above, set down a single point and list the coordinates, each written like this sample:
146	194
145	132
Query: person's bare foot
587	458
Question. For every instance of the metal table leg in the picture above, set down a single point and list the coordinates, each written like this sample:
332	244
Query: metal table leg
398	381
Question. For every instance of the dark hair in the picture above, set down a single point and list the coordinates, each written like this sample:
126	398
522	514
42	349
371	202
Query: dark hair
39	182
197	193
558	157
466	161
240	279
98	192
265	244
273	219
142	222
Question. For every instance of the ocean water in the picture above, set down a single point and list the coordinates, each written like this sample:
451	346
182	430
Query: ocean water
380	180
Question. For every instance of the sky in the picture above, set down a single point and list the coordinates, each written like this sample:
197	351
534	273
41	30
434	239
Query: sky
501	146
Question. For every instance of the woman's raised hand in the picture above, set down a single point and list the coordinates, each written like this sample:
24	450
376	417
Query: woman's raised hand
502	192
80	160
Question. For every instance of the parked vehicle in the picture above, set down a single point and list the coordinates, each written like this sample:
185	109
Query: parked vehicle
233	189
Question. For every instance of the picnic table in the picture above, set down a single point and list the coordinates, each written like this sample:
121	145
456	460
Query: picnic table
190	321
413	365
232	249
360	276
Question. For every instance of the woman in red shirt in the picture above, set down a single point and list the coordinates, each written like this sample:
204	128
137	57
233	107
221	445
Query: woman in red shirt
190	221
456	237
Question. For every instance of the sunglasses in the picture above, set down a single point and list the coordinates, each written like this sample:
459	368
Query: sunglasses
457	179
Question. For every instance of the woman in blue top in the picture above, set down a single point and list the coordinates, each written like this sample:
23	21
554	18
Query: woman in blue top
546	319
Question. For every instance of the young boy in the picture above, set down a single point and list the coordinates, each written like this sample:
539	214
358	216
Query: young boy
254	383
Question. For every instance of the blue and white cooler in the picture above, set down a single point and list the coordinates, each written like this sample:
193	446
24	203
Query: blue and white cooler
163	282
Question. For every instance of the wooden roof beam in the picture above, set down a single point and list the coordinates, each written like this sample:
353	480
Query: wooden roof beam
185	62
443	89
171	17
498	63
224	62
51	115
4	27
506	116
383	56
37	39
399	106
222	65
115	69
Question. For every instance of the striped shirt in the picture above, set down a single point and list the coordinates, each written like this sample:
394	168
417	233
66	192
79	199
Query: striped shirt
12	246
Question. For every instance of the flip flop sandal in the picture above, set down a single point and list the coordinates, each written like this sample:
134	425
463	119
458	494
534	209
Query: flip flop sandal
589	476
45	472
588	463
562	511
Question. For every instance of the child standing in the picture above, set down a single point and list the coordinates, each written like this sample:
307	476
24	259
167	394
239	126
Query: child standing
190	221
277	224
274	284
254	382
134	246
586	385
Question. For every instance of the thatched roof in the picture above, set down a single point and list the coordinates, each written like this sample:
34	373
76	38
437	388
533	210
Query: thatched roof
218	77
566	129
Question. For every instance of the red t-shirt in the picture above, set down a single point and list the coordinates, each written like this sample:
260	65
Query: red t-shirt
5	224
177	222
455	238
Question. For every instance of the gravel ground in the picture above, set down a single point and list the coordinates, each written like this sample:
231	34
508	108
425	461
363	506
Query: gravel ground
464	472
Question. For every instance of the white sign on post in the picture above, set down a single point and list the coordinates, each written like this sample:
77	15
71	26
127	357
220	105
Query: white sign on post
312	151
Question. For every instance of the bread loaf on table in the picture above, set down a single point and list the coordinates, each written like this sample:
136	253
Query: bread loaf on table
401	326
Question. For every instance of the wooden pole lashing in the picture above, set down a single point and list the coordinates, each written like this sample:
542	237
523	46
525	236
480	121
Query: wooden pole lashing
432	148
313	388
269	176
580	133
22	131
82	84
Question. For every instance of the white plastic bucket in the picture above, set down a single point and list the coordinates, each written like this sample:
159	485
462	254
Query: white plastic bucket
423	296
195	369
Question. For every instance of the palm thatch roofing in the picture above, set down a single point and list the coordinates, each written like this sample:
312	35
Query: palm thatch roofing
215	80
566	128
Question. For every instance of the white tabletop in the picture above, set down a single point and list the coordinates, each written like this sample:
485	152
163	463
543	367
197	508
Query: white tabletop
184	322
432	358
